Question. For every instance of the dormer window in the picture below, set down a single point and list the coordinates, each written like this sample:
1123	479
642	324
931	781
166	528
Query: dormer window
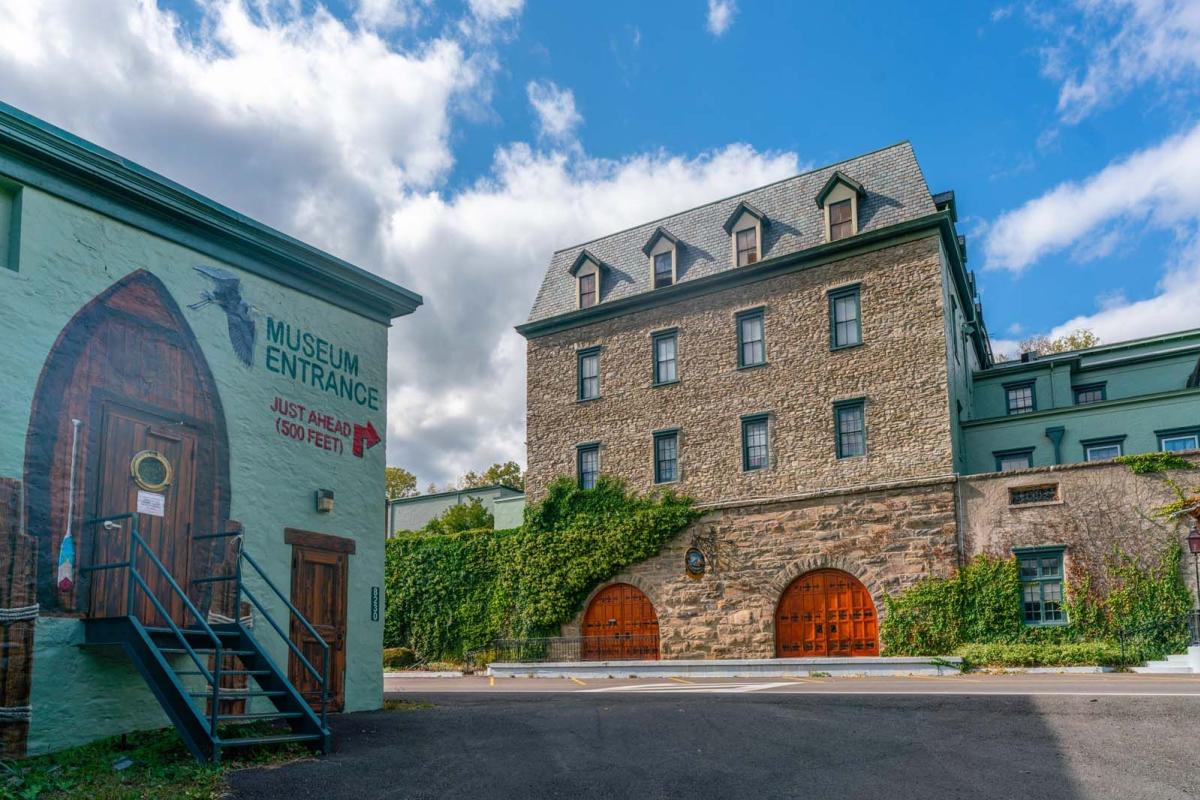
839	199
747	247
663	251
587	271
745	227
587	290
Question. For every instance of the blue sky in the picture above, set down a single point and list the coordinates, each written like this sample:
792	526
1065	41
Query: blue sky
453	146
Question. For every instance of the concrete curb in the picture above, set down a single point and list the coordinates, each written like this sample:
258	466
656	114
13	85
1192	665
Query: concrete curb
416	673
732	668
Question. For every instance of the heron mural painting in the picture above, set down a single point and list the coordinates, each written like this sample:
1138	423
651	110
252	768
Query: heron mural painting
165	419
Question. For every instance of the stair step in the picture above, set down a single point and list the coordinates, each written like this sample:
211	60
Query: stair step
229	672
239	694
194	631
1163	669
280	739
181	650
263	716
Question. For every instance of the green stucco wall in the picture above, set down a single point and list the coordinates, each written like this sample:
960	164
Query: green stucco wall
68	255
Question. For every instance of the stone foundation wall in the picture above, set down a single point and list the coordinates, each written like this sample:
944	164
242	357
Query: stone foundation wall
888	538
1099	507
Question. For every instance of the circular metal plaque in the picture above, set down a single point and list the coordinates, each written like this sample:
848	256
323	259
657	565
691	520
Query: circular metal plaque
694	562
151	470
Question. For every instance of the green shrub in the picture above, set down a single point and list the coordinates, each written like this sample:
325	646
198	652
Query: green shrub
1040	654
470	516
449	593
1147	463
398	658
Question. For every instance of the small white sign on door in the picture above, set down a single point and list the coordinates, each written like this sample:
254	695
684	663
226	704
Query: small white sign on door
151	503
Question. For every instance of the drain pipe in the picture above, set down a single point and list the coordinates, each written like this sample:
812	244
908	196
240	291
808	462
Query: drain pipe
1055	435
958	520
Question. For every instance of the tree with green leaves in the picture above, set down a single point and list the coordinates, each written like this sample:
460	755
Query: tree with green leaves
1079	339
506	474
399	483
471	516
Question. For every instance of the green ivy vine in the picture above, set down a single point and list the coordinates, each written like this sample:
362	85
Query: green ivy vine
449	593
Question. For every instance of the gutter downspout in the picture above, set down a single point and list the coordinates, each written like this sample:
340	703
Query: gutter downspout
958	520
1055	435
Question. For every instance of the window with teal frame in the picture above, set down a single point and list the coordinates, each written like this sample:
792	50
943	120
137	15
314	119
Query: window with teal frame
587	464
752	346
588	369
1178	440
1041	570
666	352
845	317
10	224
666	456
756	450
850	428
1092	393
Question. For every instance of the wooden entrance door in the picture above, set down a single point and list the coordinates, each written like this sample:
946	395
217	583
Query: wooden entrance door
167	529
620	624
826	612
319	593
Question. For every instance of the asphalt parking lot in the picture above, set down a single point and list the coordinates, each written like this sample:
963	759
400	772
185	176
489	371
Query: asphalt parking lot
1061	737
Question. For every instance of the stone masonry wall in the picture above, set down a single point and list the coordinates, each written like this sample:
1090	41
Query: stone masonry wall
888	539
900	370
1100	506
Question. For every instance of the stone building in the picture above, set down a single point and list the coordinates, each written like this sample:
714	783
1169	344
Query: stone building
809	361
188	396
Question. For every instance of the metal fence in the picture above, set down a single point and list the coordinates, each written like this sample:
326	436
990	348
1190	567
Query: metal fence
1148	642
614	647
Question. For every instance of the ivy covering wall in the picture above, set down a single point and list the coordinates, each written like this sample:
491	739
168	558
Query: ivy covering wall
981	605
448	593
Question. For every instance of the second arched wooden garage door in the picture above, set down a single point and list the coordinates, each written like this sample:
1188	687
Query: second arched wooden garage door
620	625
826	612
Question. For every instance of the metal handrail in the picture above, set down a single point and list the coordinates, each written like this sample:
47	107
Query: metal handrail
322	677
136	580
1190	618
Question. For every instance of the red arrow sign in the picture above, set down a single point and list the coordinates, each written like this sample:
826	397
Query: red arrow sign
365	436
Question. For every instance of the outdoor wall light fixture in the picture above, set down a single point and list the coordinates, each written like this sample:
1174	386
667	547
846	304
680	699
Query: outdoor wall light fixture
324	500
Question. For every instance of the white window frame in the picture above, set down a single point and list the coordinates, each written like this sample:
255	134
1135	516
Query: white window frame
1193	437
1087	451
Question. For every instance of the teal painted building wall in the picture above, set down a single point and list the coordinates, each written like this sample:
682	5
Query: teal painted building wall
1144	385
80	220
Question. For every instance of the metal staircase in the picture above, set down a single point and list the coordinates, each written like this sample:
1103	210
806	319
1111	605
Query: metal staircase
185	664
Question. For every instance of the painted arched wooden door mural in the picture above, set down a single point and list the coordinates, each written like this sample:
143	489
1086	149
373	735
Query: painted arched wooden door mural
620	625
128	368
826	612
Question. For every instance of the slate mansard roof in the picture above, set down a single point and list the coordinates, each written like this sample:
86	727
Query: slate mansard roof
894	191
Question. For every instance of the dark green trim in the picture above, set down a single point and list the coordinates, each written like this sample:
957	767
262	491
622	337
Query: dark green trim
839	406
838	177
1077	355
1037	554
1090	387
1008	387
587	255
1000	455
417	498
1090	407
1055	435
745	207
738	319
1171	433
668	433
37	154
655	338
580	355
747	421
659	233
12	259
833	295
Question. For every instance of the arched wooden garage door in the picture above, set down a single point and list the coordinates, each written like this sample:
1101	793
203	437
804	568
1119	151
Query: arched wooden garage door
826	612
620	625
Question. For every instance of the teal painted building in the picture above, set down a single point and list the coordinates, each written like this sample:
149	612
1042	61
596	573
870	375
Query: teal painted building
170	359
1086	405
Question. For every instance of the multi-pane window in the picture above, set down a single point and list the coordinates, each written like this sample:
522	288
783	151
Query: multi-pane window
841	220
1042	585
587	290
1014	459
665	366
664	273
587	458
666	456
1101	450
850	421
844	318
1020	398
752	349
1177	442
755	449
1089	394
747	246
589	374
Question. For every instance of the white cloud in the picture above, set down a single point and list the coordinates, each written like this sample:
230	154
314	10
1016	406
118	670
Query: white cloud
496	10
720	16
1159	186
387	15
555	109
1118	45
337	136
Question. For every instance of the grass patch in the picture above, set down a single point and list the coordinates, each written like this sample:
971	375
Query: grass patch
1027	654
160	767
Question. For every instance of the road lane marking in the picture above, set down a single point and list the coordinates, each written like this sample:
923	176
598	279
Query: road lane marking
492	681
581	683
681	680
